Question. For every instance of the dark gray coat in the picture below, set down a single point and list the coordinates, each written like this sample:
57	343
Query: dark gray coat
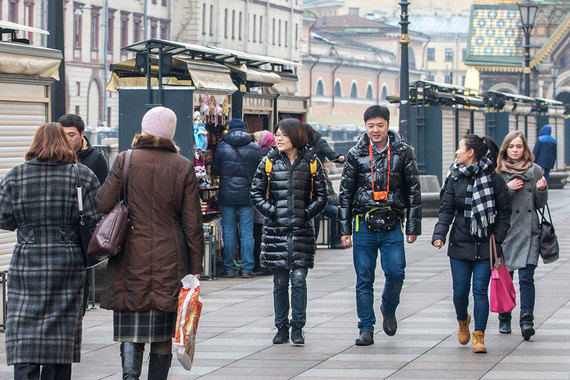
47	273
521	244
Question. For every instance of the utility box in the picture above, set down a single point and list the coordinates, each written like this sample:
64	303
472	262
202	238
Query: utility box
133	104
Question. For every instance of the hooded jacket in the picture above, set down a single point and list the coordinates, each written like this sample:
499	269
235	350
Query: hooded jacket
545	149
289	236
356	196
236	160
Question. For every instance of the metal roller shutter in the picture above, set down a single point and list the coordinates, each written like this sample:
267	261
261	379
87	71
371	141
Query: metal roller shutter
18	123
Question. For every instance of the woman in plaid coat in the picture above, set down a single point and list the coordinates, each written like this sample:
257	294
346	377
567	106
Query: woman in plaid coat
47	272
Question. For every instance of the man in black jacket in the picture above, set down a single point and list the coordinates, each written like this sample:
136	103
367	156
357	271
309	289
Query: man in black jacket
74	128
378	205
235	161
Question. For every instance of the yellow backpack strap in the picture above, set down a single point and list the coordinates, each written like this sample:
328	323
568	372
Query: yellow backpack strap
268	168
313	166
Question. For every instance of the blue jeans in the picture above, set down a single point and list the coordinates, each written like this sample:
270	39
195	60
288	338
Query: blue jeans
298	277
230	215
393	261
461	273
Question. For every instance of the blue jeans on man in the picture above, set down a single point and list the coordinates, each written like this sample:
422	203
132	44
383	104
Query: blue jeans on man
298	278
393	261
231	216
461	273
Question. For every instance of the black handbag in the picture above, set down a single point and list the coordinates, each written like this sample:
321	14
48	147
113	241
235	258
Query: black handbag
548	248
85	232
382	219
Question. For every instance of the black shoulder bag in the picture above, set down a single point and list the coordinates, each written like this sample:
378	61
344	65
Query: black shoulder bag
548	248
85	233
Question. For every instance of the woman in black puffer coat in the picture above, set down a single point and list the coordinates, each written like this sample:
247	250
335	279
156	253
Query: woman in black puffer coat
294	198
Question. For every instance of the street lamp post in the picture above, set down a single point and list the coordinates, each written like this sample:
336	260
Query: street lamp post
405	128
527	10
554	74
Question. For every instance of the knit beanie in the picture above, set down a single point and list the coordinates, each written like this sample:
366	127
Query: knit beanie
159	122
236	123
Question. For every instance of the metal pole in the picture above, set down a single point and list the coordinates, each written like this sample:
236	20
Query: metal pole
145	19
526	62
405	128
55	41
105	50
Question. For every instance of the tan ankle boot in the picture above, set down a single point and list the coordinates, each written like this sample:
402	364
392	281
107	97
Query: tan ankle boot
463	334
479	342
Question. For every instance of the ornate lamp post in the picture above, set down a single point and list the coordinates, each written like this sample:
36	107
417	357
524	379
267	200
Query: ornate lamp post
554	74
527	9
405	128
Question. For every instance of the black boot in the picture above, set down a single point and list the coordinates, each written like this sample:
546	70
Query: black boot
505	323
297	336
527	324
158	366
131	359
282	335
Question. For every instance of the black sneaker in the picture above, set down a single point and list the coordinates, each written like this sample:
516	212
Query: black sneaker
282	335
227	274
297	335
366	338
247	274
390	324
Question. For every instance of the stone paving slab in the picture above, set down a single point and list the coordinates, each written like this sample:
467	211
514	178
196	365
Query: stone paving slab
236	328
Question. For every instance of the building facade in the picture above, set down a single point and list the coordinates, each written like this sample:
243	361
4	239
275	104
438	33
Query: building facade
351	63
498	61
269	28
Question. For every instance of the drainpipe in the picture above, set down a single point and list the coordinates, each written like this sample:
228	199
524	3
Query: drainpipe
44	21
378	91
246	36
105	50
145	22
311	82
333	77
267	28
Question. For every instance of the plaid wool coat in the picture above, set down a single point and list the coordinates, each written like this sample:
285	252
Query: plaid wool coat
46	277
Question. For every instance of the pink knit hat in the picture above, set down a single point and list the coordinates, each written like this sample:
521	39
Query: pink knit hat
159	122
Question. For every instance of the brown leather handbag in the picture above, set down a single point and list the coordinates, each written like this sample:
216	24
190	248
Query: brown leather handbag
113	228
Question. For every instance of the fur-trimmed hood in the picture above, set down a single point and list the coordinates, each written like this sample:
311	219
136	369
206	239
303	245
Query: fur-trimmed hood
147	141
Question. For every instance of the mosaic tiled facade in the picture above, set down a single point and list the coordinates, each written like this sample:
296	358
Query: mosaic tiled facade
496	32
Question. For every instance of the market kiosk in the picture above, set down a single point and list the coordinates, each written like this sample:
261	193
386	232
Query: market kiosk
206	87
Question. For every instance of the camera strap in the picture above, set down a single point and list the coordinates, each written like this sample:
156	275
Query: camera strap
372	168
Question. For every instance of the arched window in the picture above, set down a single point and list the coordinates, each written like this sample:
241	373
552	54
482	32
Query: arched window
384	95
320	88
337	89
354	91
369	92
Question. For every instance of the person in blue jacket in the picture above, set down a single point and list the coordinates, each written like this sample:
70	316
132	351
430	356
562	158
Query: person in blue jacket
545	151
235	162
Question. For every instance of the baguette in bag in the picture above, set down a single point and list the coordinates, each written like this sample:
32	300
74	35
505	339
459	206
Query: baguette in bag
189	309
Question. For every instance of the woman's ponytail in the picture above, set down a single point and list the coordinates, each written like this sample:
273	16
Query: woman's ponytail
492	150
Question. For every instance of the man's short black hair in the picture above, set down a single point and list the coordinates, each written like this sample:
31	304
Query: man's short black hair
72	120
377	111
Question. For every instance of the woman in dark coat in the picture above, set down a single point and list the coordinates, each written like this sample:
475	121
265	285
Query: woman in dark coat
474	197
289	197
528	192
165	244
47	270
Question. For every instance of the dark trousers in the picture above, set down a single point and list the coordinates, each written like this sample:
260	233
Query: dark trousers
44	372
257	236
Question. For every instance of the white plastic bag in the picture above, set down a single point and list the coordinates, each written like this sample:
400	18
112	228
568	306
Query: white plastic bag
189	309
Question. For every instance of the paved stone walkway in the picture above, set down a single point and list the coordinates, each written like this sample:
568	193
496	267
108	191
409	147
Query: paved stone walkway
236	328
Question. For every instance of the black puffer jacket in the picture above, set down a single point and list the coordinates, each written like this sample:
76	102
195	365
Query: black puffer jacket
236	172
356	195
463	245
289	237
